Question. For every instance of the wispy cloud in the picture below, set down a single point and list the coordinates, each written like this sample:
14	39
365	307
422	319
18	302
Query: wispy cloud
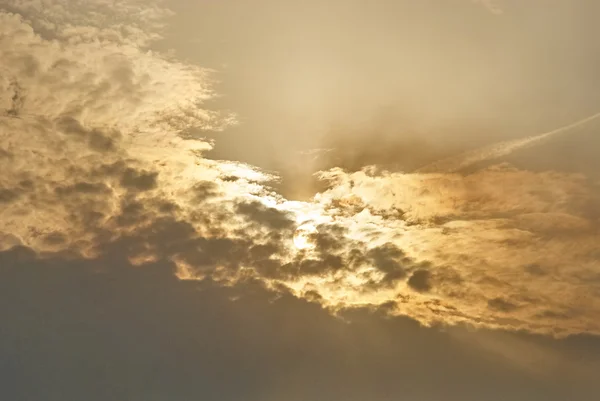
497	150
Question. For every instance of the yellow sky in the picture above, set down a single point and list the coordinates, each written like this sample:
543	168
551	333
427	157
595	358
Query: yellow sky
434	161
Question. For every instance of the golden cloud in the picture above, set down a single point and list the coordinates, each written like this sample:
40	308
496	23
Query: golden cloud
97	153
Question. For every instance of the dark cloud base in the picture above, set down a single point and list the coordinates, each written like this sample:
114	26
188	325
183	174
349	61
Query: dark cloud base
101	329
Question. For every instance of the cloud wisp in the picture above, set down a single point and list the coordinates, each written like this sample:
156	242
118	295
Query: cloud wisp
497	150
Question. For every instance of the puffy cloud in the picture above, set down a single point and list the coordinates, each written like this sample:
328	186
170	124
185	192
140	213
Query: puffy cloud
107	21
87	121
420	280
100	155
504	247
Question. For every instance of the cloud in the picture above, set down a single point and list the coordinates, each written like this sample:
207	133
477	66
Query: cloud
497	150
133	266
89	105
100	83
157	336
17	99
129	22
497	242
502	305
420	281
98	158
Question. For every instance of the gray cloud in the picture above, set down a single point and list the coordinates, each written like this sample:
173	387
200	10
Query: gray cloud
193	341
17	99
420	280
138	180
502	305
133	267
111	165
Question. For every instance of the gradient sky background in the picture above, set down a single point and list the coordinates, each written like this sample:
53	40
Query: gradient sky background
244	200
394	82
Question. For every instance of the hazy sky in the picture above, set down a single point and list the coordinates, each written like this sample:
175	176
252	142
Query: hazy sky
353	74
299	200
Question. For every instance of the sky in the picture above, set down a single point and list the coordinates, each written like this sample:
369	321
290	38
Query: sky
299	200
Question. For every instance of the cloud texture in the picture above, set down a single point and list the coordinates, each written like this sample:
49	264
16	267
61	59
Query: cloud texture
100	154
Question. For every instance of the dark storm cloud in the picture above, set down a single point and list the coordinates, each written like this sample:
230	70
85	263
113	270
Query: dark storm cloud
156	337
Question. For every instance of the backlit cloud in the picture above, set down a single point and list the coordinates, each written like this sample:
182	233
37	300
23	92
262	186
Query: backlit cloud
101	149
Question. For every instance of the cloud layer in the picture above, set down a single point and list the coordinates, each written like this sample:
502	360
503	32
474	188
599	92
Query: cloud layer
100	155
103	329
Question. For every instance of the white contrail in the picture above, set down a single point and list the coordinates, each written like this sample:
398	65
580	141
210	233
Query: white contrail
494	151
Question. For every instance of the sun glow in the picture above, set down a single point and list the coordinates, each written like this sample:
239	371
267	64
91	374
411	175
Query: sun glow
303	236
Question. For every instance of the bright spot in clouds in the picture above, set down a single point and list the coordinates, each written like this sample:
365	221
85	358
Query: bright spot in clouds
303	237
